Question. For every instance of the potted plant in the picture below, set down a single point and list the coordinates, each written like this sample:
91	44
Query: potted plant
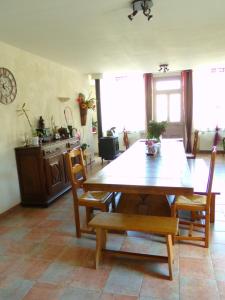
84	146
156	129
23	111
94	126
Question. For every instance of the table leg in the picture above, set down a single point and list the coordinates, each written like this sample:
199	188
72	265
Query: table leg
170	255
212	208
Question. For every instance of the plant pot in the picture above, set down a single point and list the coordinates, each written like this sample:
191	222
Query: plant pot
83	116
35	141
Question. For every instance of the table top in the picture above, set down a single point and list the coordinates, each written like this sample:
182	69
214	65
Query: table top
136	172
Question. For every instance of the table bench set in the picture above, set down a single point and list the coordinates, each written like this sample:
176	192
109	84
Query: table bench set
135	173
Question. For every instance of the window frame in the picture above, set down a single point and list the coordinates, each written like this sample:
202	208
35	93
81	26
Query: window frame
167	93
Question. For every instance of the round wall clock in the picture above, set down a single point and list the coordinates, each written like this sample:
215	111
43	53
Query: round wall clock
8	88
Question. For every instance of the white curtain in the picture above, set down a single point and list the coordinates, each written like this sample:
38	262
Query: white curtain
123	102
209	99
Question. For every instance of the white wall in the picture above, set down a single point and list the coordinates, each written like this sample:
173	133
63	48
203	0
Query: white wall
39	83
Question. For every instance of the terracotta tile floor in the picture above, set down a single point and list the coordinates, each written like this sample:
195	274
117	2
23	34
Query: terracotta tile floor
40	258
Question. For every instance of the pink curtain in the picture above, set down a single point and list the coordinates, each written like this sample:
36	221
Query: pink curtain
186	76
148	79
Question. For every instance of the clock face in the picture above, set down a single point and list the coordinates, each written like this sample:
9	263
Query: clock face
8	88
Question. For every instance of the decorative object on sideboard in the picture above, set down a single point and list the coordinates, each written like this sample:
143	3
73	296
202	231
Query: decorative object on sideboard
84	105
23	111
8	88
64	133
144	5
45	134
68	114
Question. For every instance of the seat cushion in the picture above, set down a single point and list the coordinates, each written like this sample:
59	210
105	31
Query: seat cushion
97	196
191	200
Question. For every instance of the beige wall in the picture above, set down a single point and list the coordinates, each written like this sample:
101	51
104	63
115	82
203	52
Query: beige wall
39	83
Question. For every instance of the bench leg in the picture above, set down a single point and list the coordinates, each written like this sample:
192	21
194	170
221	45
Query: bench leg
100	244
170	255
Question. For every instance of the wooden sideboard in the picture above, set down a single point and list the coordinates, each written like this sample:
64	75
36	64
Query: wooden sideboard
42	172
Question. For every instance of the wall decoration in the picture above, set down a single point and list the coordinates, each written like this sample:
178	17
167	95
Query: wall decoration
84	105
8	88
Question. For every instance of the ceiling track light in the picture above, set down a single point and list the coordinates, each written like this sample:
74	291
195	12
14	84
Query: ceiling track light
163	68
144	5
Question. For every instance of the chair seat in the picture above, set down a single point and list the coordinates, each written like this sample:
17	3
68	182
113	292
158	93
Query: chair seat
94	196
191	200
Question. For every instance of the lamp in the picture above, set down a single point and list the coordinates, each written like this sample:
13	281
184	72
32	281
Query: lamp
163	68
144	5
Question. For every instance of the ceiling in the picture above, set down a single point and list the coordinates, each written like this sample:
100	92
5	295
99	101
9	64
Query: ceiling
96	36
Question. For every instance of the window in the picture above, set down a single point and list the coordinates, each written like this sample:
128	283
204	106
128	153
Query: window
123	102
209	98
167	99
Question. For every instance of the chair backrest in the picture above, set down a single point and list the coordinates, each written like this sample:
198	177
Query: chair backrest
125	139
195	143
76	168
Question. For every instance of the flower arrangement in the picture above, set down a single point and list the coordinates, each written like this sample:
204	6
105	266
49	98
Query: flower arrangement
84	103
155	129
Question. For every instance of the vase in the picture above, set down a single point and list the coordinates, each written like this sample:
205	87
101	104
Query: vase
35	141
83	116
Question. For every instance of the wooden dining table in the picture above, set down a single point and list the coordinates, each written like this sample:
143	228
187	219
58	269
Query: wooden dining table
141	177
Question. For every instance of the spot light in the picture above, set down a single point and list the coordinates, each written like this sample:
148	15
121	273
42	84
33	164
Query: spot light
144	5
163	68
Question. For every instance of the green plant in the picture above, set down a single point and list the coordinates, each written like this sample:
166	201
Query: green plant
84	146
23	111
94	124
155	129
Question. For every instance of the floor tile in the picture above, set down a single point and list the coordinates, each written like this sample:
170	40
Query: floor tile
200	268
44	291
158	288
79	294
107	296
190	288
41	259
77	256
57	273
124	280
16	289
87	277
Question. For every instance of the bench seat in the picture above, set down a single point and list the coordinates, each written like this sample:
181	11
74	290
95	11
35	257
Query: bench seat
166	226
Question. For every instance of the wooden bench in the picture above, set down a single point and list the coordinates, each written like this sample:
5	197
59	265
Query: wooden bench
199	172
166	226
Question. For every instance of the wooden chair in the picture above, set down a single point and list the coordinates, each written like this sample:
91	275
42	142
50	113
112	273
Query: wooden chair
199	205
125	139
91	200
192	155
